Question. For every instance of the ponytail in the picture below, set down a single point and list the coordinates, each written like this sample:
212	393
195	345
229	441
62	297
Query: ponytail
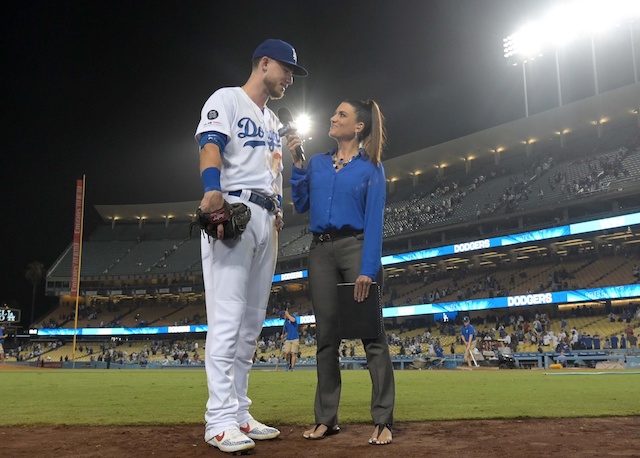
373	137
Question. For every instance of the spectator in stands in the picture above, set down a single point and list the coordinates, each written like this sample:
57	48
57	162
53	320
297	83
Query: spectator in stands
623	341
341	253
629	332
292	339
468	336
614	341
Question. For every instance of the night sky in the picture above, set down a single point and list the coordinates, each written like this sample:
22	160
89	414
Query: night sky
113	90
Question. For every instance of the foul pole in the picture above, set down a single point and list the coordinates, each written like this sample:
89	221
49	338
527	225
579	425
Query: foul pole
76	264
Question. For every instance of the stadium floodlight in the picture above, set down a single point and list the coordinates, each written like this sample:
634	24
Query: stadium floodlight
303	124
525	44
566	23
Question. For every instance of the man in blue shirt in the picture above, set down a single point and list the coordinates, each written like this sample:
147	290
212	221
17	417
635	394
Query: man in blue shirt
614	341
3	335
292	339
468	335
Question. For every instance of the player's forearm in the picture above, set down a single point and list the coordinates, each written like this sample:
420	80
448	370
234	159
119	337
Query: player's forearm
210	161
210	157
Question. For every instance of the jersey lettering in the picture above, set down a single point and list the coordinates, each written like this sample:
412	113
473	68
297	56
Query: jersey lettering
273	140
250	130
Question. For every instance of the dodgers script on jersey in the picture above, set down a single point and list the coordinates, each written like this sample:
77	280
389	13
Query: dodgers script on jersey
253	157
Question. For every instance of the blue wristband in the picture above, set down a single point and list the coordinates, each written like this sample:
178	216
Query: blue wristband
211	179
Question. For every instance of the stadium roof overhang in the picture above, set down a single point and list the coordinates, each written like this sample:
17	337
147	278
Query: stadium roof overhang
163	212
618	106
542	129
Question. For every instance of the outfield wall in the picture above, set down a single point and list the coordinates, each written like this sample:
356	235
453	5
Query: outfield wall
629	359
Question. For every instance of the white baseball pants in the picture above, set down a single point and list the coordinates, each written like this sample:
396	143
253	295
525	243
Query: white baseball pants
237	282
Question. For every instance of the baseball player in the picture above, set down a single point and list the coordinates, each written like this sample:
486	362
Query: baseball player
241	161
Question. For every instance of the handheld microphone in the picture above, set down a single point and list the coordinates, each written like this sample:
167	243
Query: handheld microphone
289	127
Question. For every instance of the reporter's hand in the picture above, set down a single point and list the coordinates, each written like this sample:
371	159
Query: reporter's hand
361	289
294	141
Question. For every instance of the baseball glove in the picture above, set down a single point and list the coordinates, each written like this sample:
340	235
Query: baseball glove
233	217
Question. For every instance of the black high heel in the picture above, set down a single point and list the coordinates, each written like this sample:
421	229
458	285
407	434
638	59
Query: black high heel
330	431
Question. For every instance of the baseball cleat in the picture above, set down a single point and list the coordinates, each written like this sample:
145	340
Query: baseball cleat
231	441
259	431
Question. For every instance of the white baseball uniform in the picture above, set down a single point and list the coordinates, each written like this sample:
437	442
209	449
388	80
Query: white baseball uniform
238	273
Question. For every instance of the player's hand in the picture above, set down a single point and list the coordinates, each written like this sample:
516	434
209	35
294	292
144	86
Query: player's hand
279	221
361	289
212	201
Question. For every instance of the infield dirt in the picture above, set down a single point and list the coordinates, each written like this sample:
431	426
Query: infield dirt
583	437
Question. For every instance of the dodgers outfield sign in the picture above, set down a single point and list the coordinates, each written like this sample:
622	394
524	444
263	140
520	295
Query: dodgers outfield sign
470	246
530	299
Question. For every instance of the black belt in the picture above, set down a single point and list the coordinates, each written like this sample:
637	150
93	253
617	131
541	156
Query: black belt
265	202
335	235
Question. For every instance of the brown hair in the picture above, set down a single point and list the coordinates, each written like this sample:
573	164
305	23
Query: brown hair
374	135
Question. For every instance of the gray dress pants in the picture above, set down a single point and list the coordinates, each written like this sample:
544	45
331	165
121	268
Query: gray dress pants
330	263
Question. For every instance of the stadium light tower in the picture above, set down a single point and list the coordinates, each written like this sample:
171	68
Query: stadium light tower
563	24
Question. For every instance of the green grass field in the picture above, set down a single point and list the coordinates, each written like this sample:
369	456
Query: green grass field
166	397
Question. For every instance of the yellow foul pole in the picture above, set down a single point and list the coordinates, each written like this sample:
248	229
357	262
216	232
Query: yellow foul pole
77	261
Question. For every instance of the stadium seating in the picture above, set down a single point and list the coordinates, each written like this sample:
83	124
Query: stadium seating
157	253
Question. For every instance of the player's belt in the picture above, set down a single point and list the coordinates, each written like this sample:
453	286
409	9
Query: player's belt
265	202
335	235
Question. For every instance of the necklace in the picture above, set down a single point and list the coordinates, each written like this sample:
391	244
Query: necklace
339	163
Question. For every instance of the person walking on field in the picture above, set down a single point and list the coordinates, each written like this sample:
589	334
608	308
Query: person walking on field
468	336
3	335
292	339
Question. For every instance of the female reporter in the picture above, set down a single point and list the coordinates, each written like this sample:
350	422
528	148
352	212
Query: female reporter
345	191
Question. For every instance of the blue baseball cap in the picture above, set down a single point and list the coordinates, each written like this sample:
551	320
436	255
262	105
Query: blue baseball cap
280	51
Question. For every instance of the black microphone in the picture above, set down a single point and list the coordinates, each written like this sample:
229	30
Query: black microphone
288	127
